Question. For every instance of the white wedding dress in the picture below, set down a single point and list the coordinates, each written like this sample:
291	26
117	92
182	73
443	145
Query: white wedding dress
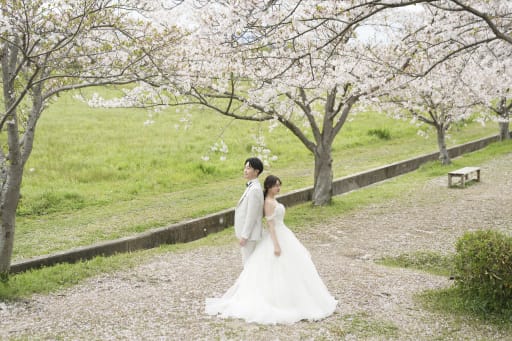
272	289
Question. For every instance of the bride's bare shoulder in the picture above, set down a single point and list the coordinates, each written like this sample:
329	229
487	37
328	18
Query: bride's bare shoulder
270	201
270	204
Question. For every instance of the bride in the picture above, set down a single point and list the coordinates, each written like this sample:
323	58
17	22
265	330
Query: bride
279	282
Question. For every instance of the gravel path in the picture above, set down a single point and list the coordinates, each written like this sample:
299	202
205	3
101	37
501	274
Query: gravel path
163	299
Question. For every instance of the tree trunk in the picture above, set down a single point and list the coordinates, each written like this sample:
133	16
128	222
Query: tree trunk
9	199
10	162
322	191
503	118
504	130
441	142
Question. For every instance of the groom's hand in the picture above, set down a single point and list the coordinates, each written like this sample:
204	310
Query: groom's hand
243	241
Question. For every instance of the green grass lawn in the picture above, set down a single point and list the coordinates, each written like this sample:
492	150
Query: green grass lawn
97	174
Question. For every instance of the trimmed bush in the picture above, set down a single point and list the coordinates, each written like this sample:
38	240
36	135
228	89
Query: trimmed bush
483	265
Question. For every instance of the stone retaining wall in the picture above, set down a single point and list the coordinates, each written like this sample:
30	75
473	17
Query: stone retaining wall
198	228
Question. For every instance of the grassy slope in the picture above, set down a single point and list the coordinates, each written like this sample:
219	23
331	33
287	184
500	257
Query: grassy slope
99	174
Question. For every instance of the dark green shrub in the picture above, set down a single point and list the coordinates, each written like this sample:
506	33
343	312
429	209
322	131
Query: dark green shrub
483	265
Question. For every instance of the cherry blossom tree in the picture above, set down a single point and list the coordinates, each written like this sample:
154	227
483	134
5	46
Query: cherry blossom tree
490	85
240	69
443	31
440	99
284	63
51	46
476	32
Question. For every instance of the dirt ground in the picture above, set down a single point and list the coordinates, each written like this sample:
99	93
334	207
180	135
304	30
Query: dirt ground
163	299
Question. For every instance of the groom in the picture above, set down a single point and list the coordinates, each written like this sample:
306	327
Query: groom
249	211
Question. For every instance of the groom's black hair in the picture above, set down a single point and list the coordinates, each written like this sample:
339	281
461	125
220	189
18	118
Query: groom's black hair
255	163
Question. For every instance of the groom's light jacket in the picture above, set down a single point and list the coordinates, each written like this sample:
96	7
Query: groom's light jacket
249	212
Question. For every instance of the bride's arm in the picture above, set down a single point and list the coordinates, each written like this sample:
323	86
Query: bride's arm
269	209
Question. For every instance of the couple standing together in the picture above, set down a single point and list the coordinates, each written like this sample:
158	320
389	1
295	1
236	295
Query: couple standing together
279	282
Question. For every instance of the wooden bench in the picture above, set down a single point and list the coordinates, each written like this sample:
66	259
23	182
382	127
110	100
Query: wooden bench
464	175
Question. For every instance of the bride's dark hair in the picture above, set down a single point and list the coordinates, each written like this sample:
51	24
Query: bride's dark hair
270	181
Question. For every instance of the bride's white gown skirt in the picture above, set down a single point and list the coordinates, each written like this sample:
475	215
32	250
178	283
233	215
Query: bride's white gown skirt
271	289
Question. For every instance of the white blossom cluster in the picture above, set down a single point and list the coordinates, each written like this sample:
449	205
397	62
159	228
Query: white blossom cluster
220	148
